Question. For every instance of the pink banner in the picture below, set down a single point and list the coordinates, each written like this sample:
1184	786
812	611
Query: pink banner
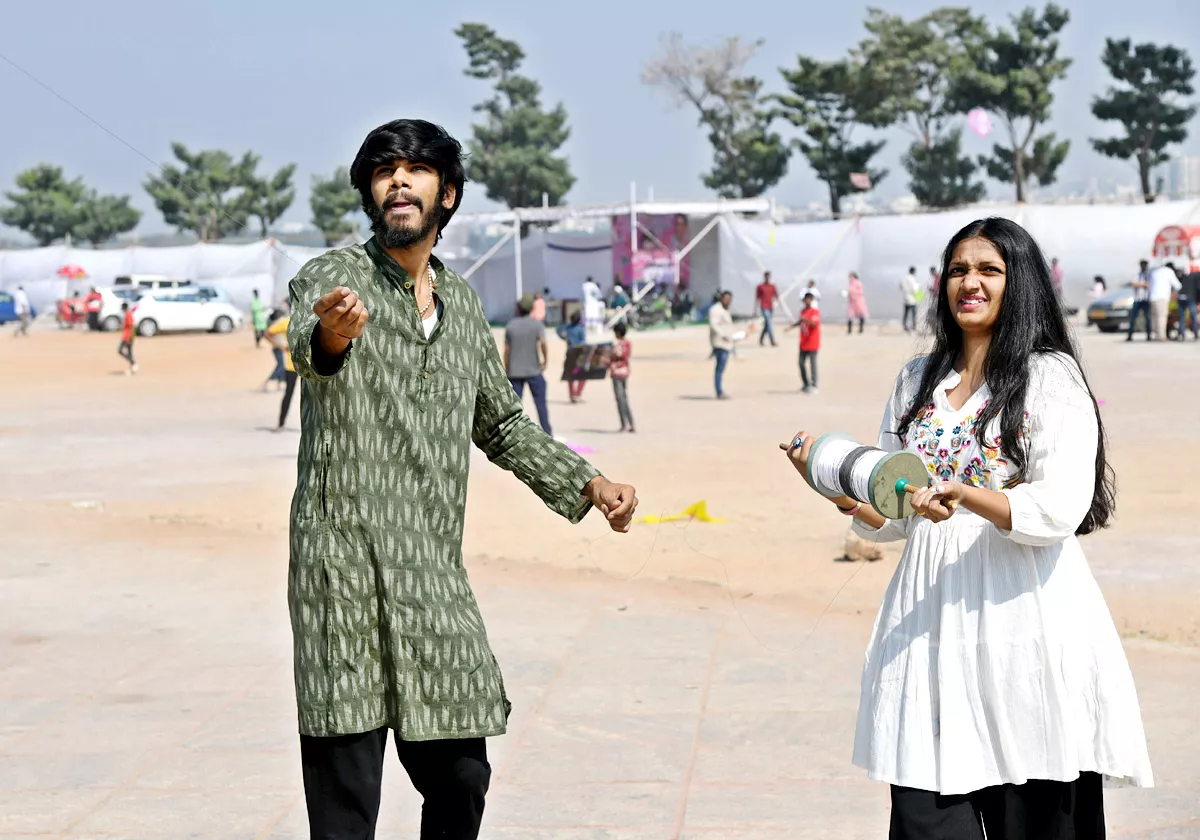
659	238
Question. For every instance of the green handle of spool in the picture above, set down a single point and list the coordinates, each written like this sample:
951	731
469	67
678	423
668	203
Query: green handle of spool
902	486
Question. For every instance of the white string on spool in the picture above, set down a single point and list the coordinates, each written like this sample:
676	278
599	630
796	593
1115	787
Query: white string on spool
843	468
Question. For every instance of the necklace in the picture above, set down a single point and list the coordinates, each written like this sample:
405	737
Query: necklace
432	275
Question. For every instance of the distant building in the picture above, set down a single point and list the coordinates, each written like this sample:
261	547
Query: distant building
1183	177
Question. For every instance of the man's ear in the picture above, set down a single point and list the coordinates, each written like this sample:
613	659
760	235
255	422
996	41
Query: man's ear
449	197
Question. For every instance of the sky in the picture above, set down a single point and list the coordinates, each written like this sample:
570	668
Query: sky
299	82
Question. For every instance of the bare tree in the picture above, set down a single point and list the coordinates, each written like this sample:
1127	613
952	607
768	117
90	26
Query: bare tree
748	158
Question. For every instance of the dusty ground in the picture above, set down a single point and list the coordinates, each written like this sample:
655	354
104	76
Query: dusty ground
684	680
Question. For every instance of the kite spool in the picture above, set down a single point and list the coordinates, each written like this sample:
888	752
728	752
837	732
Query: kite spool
839	466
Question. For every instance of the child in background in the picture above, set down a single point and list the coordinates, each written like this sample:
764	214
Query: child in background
810	342
125	348
619	371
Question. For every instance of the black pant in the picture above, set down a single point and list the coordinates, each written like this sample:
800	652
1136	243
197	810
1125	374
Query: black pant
910	317
808	359
850	325
125	351
289	389
1036	810
343	776
93	320
537	387
621	392
1143	307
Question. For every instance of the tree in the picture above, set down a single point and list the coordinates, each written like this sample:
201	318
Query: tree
748	158
1011	76
46	206
512	152
103	217
269	198
208	196
1153	78
827	100
332	200
913	65
941	176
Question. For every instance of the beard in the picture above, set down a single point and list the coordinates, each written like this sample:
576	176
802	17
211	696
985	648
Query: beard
405	234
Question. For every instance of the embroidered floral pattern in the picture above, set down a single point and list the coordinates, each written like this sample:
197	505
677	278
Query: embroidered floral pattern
944	448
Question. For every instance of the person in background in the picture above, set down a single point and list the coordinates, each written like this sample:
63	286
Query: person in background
24	316
1056	277
538	311
764	298
1189	295
720	336
618	369
1141	302
258	317
811	289
92	304
575	334
1163	282
276	334
810	343
856	304
125	348
910	290
526	356
279	373
1099	287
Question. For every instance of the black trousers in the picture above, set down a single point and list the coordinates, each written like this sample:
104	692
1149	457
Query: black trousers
288	390
1036	810
910	317
808	368
125	351
343	776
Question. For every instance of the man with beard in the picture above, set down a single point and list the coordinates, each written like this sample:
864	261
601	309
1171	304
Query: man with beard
400	375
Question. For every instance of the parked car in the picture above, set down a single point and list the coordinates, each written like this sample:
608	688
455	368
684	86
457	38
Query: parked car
8	308
149	281
186	308
110	317
1110	312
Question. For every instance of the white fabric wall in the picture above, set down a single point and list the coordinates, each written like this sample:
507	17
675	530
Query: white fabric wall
1088	240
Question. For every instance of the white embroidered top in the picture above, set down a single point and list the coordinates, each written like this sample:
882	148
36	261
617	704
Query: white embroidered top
994	658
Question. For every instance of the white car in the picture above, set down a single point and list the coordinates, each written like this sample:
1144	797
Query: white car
111	318
185	308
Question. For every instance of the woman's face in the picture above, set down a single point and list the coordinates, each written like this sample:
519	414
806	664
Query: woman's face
975	287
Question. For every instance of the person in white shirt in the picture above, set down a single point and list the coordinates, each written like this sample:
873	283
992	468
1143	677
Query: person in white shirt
1141	302
23	311
996	695
1163	281
721	336
910	290
811	289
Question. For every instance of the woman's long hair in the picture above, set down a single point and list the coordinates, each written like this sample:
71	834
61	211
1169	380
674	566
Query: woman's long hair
1030	322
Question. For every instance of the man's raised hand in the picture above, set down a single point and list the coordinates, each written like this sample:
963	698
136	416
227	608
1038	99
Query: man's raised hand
342	312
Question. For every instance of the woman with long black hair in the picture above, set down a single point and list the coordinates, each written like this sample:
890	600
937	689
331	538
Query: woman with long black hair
996	695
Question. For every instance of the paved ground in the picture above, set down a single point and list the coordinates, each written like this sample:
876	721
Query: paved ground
686	681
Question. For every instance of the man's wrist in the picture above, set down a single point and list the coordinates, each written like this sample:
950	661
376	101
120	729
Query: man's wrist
330	342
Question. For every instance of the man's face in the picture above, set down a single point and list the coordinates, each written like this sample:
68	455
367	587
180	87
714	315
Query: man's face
407	206
726	299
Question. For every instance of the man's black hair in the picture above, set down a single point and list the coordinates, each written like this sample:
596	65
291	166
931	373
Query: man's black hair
415	141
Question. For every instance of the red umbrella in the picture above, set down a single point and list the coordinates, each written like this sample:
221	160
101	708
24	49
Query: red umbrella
72	272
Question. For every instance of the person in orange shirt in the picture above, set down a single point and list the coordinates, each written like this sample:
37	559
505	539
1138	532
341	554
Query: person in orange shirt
277	335
538	311
125	348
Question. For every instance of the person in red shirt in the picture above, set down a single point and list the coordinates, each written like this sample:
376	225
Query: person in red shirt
125	349
92	305
810	343
764	298
618	369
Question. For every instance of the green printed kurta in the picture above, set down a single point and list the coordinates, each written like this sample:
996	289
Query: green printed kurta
385	625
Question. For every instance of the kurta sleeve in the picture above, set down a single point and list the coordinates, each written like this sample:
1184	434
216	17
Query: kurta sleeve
1063	437
512	441
316	279
889	441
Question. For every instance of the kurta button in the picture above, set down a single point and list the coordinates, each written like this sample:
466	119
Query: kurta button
426	374
407	284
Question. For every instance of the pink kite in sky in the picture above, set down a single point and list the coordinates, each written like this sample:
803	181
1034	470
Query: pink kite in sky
979	122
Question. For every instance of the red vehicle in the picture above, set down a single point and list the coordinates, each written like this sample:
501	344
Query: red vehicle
71	312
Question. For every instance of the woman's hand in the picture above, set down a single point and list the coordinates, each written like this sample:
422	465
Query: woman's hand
797	451
938	501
